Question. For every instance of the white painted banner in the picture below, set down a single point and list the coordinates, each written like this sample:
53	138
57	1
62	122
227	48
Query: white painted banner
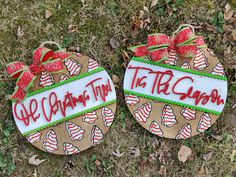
70	99
176	86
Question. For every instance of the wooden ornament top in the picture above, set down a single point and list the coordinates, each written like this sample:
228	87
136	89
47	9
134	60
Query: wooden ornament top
179	114
76	133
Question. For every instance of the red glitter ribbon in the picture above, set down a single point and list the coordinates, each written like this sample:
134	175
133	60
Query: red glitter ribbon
44	60
183	41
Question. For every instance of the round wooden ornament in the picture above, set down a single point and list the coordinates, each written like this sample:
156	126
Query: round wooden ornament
69	102
170	94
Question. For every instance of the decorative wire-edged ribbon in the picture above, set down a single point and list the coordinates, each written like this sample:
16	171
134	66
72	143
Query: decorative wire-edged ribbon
184	42
44	60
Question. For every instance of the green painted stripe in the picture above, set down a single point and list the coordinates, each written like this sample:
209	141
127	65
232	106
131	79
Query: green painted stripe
179	69
69	117
171	102
64	82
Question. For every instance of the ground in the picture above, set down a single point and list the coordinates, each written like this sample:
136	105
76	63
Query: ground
103	30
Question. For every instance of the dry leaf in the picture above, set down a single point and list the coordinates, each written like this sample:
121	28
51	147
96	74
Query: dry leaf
19	32
217	137
234	34
48	14
202	171
117	152
135	151
184	153
115	78
114	43
154	3
34	161
207	156
145	8
162	171
228	12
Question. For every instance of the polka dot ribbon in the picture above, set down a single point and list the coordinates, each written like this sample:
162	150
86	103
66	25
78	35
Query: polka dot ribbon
44	60
184	42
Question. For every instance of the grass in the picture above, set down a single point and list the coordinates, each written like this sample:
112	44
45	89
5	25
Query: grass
90	25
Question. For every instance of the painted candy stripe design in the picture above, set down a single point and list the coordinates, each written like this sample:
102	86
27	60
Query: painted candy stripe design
75	131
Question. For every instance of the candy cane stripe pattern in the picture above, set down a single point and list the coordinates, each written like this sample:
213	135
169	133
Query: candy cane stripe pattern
185	132
63	78
70	149
75	131
92	64
73	66
200	61
131	99
50	143
78	54
218	70
173	58
90	117
186	65
143	112
108	116
35	137
46	79
96	135
155	129
188	113
204	123
168	117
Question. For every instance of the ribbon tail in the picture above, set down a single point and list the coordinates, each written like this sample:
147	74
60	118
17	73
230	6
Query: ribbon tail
140	50
19	94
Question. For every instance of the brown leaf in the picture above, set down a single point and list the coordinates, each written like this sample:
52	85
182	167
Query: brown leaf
184	153
162	171
207	156
202	171
115	78
228	12
154	3
234	34
98	163
48	14
217	137
34	161
114	42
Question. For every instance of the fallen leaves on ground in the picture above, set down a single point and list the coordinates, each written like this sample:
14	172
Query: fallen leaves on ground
184	153
229	11
34	161
115	78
